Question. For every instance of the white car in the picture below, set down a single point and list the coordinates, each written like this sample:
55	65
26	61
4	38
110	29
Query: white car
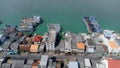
1	49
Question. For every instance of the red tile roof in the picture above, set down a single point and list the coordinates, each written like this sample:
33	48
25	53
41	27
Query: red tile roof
113	63
37	38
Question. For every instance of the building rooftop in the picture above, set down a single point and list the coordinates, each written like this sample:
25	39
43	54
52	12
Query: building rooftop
80	45
87	62
113	44
90	42
27	66
73	64
118	41
37	38
18	63
29	61
44	60
6	65
34	47
113	63
7	43
55	27
14	45
100	65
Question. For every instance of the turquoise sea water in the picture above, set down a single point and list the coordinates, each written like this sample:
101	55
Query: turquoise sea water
68	13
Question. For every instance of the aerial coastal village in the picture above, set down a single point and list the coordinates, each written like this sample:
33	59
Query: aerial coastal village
20	47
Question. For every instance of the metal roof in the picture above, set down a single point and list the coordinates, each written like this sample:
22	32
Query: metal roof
19	63
101	66
44	60
29	61
87	62
27	66
6	65
7	44
73	64
118	41
90	42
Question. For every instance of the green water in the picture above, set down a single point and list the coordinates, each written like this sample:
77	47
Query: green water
68	13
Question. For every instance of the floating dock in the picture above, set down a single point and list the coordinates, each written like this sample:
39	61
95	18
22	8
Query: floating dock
92	24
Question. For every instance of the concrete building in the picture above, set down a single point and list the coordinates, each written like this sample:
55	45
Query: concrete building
68	42
73	43
50	63
90	46
41	47
51	40
100	65
44	61
87	63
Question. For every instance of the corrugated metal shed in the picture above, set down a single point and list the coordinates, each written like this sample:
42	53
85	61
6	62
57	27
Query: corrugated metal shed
44	60
73	64
87	62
